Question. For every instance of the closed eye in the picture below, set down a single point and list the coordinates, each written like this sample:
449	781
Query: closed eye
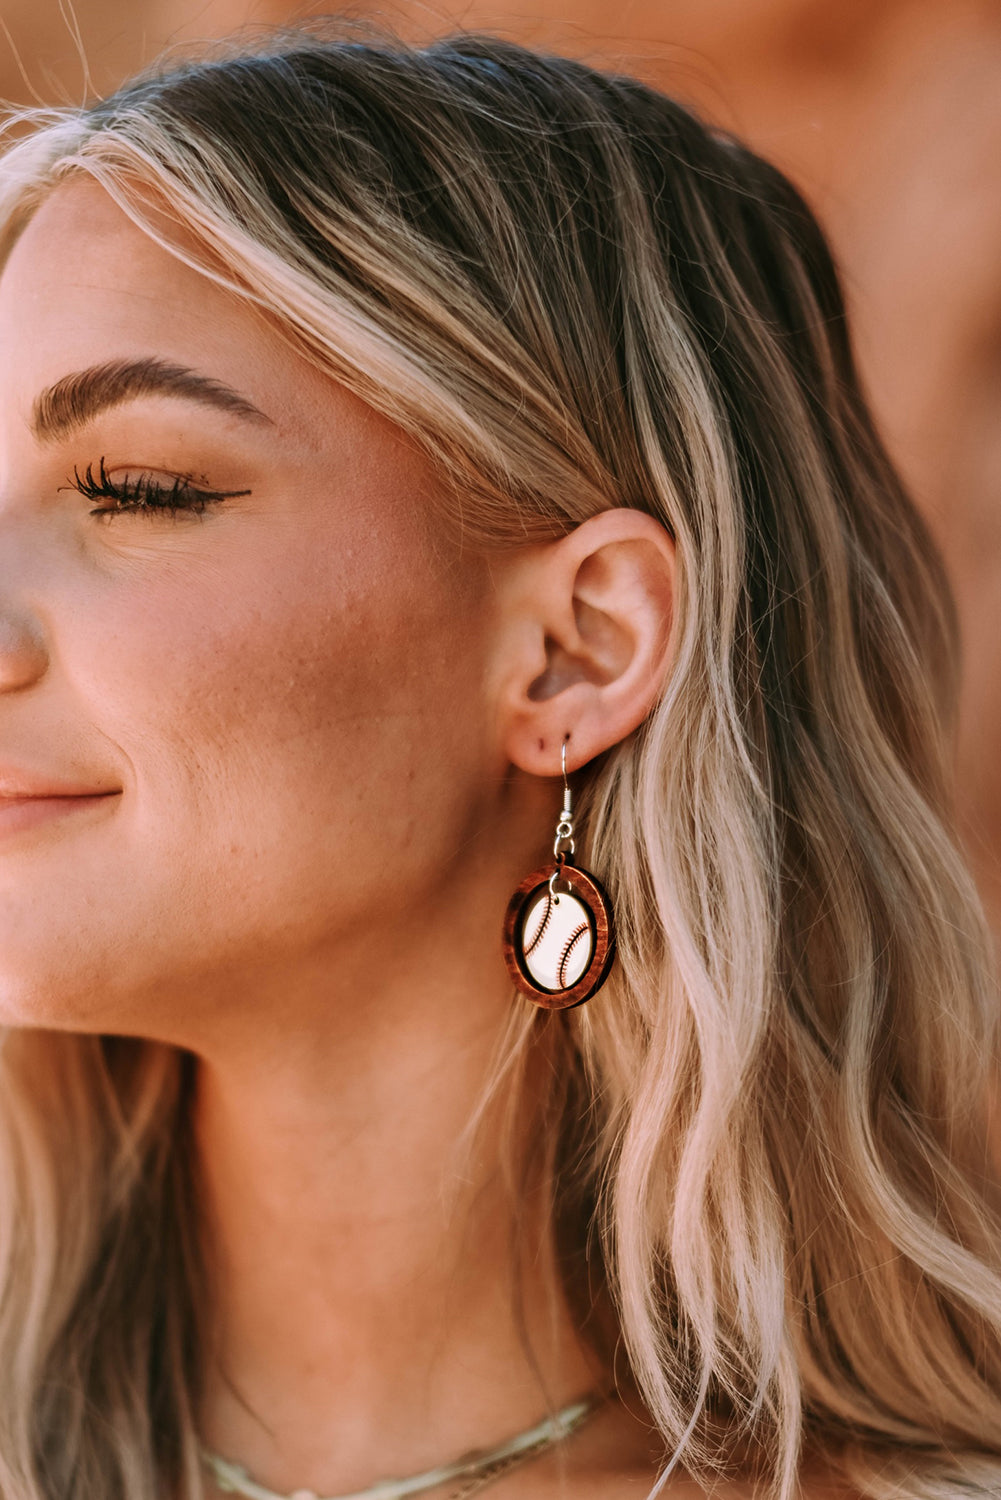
145	491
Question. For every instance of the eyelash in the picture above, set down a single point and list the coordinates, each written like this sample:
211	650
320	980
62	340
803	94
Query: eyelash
144	493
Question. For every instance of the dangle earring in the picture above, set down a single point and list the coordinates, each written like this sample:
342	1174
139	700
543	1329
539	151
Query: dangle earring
559	933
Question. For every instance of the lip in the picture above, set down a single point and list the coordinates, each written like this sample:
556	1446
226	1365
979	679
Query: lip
27	803
18	784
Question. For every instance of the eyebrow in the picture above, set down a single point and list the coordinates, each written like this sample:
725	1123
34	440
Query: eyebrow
78	397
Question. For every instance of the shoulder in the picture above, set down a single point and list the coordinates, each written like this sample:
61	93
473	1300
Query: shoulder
637	1484
619	1456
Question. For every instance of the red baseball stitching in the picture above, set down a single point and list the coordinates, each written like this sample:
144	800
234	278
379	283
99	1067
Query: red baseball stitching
572	940
542	927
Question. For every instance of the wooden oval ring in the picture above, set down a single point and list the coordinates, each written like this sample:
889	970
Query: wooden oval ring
592	895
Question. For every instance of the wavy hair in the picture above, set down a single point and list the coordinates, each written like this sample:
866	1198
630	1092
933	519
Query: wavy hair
770	1127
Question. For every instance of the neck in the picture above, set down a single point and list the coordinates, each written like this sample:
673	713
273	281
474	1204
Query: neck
372	1314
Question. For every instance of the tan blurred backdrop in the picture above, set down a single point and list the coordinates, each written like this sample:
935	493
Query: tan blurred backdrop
886	112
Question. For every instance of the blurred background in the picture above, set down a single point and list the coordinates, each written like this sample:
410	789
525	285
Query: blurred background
887	114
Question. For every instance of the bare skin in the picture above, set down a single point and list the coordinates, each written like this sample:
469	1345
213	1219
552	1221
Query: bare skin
296	749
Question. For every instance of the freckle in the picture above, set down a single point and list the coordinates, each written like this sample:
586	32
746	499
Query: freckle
542	744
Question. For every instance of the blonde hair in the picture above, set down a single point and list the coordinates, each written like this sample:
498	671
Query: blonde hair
773	1118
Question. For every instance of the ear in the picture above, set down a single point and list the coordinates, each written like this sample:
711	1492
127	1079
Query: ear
585	643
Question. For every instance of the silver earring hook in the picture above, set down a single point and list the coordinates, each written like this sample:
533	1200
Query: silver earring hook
564	846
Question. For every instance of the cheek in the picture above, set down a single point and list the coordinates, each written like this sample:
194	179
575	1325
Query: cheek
298	698
289	735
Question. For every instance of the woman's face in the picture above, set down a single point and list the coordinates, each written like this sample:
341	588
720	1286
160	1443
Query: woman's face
231	733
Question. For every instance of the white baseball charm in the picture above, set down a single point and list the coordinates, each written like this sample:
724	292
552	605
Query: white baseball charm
559	940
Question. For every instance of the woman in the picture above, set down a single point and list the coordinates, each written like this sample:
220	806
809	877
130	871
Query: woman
385	432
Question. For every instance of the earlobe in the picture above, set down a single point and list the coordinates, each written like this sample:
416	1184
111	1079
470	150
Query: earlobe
594	612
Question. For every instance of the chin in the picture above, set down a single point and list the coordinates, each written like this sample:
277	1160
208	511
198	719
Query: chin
61	985
35	1004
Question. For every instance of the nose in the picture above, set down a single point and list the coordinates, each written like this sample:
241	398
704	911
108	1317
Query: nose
24	656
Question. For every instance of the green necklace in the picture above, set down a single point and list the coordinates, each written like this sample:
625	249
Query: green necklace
475	1469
